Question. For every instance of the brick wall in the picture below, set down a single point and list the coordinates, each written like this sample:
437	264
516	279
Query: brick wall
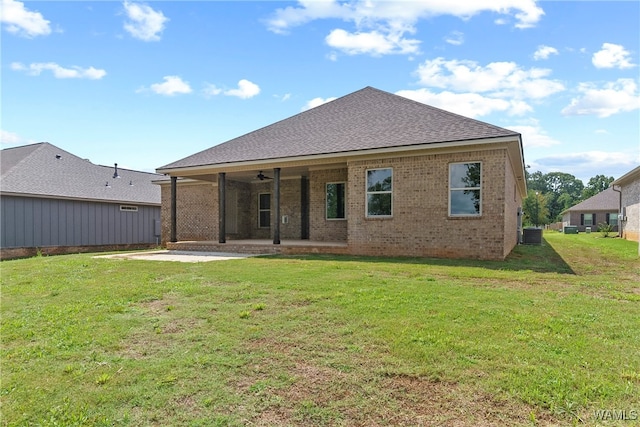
320	228
631	203
197	211
240	192
289	207
512	201
600	218
421	225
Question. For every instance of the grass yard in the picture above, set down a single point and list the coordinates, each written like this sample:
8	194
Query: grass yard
549	337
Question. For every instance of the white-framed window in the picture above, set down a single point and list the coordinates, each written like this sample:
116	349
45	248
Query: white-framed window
379	201
336	193
465	189
613	219
587	219
264	210
128	208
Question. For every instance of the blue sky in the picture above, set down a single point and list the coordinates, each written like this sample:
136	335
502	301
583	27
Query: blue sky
143	84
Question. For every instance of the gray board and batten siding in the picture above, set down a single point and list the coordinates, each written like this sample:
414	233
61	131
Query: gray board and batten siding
40	222
50	198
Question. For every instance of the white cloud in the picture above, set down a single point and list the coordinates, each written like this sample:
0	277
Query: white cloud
614	97
587	164
612	56
332	56
291	16
60	72
11	138
172	85
374	42
362	12
315	102
380	27
20	21
211	90
455	38
144	22
466	104
245	90
533	136
501	79
543	52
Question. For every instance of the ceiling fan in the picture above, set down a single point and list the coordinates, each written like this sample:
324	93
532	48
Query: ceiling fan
262	176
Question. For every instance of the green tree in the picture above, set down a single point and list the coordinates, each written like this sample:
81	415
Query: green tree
565	201
535	208
561	190
596	185
536	181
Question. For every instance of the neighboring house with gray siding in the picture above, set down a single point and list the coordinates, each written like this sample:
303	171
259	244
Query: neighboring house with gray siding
629	186
56	202
602	208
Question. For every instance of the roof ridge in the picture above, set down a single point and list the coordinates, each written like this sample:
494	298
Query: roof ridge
12	167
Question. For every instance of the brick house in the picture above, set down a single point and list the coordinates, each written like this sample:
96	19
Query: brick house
629	186
602	208
370	173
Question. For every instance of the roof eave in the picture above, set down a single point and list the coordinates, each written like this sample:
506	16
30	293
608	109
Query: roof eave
188	170
629	176
81	199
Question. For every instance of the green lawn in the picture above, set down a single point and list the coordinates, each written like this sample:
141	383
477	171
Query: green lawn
549	337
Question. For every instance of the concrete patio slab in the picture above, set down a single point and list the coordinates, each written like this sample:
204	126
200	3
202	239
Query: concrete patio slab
178	256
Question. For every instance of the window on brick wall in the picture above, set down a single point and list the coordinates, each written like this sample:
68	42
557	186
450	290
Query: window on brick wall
264	210
465	189
379	192
336	200
612	219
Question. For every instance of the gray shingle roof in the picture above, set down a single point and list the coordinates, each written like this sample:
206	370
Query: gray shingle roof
605	200
363	120
36	170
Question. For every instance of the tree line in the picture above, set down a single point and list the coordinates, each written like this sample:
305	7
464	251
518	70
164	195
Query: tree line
550	194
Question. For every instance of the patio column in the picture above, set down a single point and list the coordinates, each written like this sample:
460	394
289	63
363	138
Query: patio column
276	202
174	209
222	211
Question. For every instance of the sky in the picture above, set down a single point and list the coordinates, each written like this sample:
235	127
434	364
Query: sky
143	84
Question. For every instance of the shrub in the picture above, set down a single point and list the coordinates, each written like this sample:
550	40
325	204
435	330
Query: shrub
605	229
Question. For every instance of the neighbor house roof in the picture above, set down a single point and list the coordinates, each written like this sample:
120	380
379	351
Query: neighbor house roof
363	120
44	170
607	200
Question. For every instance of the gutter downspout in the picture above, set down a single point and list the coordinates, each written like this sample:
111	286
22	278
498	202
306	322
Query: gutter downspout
613	187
